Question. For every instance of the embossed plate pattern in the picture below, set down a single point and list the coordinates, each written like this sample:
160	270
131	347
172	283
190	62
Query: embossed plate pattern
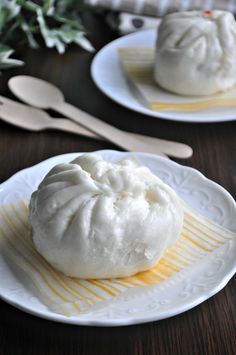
175	295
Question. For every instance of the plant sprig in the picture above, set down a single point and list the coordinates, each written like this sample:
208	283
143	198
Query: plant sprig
57	21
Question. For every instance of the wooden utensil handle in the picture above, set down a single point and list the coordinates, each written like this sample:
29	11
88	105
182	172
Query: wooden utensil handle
101	128
174	149
72	127
105	130
63	124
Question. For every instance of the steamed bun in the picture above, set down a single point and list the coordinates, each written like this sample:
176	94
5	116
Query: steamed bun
196	52
95	219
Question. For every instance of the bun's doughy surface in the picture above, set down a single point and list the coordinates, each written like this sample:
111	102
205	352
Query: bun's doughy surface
95	219
196	52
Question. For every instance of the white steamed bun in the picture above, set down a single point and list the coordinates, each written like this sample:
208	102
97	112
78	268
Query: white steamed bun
94	219
196	52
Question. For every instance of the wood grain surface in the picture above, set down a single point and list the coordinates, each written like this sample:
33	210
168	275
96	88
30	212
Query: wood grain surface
209	328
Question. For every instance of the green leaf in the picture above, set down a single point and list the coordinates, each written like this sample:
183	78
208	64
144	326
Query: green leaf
29	33
51	37
74	23
57	21
83	42
5	61
28	5
68	7
69	35
63	35
8	10
48	7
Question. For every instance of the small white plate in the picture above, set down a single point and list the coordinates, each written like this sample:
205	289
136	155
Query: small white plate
108	75
173	296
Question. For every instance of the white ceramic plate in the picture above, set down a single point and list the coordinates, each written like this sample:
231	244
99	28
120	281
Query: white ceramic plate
108	76
173	296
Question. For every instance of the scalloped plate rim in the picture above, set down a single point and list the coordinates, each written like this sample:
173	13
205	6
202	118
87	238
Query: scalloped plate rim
128	320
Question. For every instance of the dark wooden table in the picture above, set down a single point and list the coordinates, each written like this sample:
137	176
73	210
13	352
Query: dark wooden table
208	328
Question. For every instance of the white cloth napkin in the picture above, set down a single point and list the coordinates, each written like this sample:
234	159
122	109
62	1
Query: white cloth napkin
125	22
158	8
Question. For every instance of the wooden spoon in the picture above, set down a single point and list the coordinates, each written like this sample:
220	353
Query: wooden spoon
41	94
34	119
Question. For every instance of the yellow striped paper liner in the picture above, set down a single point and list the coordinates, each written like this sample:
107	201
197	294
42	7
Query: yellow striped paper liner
70	296
138	65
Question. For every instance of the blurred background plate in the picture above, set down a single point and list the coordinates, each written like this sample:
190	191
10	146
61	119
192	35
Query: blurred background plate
108	75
